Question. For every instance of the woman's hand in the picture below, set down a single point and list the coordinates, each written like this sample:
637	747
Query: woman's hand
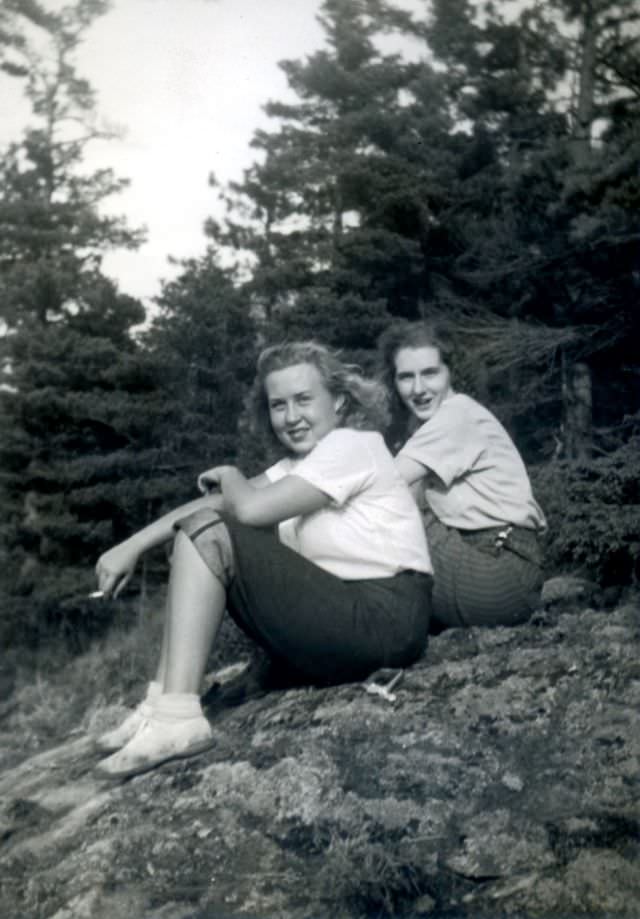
115	567
211	480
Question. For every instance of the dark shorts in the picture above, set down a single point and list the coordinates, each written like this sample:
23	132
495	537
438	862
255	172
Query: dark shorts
318	625
479	583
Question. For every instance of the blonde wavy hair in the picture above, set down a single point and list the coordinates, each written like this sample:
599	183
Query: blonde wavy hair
365	402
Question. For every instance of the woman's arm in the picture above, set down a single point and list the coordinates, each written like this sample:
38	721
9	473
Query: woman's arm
267	505
208	480
411	470
115	567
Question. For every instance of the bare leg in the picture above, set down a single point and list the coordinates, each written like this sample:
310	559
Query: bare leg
195	606
164	650
176	726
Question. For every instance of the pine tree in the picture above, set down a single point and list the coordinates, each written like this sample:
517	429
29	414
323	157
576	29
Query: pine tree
16	17
53	232
545	213
73	400
77	457
205	340
335	215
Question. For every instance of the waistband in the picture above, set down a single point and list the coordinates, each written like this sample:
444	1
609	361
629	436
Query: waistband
501	530
519	540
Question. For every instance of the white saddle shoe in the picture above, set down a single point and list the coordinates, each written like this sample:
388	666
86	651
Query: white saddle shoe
158	741
116	739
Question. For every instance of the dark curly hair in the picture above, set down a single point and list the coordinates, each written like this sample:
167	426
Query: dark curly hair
406	334
365	405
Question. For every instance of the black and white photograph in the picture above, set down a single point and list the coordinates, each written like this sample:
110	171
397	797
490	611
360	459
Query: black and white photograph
319	459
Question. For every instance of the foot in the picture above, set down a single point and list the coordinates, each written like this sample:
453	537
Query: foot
118	737
158	741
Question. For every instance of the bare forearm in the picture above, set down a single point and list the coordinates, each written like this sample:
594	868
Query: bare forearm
116	567
260	503
161	530
271	503
237	492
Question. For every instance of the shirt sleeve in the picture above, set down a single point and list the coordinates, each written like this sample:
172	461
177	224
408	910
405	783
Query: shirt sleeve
447	444
279	470
341	465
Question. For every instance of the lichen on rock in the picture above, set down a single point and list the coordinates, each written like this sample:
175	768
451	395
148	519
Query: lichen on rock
503	780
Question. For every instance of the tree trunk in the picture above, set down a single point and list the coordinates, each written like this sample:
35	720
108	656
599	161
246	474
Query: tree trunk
577	403
585	104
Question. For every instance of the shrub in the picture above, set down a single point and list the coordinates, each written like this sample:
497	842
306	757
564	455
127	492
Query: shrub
593	510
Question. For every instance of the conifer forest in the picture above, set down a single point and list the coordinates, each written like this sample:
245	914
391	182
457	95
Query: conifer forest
489	178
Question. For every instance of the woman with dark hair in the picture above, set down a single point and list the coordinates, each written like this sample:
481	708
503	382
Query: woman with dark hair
480	516
338	590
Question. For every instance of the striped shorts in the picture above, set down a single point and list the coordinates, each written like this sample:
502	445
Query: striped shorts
479	583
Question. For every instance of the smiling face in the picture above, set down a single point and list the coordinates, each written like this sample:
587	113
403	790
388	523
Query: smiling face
422	380
301	408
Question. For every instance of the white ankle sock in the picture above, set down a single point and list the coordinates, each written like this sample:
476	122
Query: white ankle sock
154	691
177	706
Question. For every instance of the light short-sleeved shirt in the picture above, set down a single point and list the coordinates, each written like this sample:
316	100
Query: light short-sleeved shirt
371	528
475	475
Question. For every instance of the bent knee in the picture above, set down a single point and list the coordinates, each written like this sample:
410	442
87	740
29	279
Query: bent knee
208	533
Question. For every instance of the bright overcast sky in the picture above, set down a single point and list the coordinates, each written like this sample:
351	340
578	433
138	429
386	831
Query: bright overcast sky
185	82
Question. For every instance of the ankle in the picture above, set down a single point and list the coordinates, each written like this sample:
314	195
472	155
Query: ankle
177	706
154	691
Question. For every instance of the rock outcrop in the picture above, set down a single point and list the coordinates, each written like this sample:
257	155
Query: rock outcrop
502	780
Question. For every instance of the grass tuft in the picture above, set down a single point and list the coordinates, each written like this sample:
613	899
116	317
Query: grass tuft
369	875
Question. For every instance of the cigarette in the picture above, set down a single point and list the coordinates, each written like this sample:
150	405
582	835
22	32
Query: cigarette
96	595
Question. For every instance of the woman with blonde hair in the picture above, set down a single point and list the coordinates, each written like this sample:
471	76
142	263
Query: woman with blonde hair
322	560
